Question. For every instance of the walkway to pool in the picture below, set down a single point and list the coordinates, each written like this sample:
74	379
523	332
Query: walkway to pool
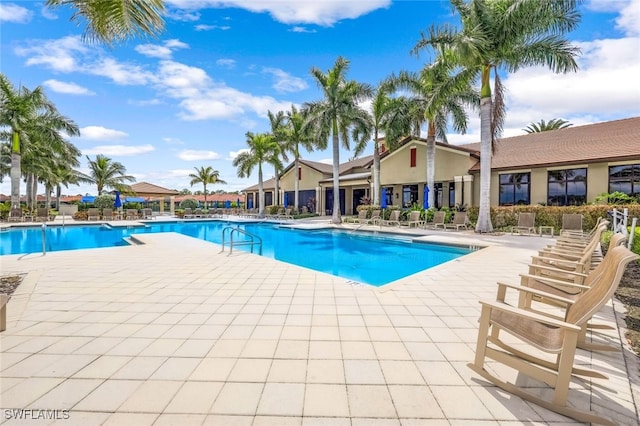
172	332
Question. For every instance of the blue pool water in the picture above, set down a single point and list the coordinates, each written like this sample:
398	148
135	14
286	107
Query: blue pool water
370	258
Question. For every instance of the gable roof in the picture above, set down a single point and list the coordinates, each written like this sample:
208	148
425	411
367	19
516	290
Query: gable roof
609	141
267	184
474	151
357	163
149	188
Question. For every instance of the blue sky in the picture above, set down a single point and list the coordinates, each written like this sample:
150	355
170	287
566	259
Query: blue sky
186	99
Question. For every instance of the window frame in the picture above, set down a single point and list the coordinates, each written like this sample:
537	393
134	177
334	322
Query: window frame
512	182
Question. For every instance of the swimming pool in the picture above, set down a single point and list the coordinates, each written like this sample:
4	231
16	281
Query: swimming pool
374	259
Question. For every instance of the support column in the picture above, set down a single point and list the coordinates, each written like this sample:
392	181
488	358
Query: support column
318	200
172	205
458	188
468	190
161	205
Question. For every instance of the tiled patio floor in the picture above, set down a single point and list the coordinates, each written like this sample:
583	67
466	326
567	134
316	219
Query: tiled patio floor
172	332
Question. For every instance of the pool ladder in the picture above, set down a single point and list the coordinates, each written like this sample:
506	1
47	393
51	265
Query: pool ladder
252	241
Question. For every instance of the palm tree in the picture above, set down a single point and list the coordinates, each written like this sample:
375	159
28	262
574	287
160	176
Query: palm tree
205	176
553	124
106	173
277	127
439	92
509	35
389	116
296	136
116	20
262	149
28	114
336	114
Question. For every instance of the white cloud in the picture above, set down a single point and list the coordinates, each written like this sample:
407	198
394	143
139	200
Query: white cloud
629	18
182	15
68	88
179	172
10	12
147	102
173	141
226	63
164	51
195	155
326	12
119	150
326	161
99	133
205	27
121	73
285	82
301	30
234	154
48	13
59	55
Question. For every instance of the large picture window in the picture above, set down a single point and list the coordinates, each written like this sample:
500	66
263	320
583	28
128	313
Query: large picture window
567	187
514	189
625	179
409	195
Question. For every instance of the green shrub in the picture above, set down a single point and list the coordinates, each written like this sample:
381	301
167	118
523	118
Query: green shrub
104	201
188	203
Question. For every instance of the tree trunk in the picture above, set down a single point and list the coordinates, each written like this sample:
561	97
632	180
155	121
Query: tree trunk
205	195
484	214
276	196
29	191
296	185
47	197
16	173
34	192
58	193
260	193
431	163
335	217
375	200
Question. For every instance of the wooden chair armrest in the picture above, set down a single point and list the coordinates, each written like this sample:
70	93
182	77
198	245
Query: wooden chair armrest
534	291
558	270
554	281
530	315
547	260
565	255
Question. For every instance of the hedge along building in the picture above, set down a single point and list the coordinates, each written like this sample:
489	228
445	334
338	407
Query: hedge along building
560	167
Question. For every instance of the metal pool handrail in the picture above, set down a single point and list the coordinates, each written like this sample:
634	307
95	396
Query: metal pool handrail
252	239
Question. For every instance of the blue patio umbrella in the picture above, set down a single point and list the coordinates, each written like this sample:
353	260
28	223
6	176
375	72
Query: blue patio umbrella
88	199
286	199
425	202
118	203
383	198
238	203
227	204
250	203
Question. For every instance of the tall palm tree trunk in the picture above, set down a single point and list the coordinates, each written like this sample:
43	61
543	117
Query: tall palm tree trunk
296	185
58	193
484	213
16	173
47	196
431	163
29	190
375	200
335	217
276	196
260	193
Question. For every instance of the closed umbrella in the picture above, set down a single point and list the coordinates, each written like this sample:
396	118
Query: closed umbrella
118	203
238	203
286	199
383	198
227	204
425	202
250	203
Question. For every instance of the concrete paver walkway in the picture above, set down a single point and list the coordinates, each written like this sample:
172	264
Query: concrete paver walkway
172	332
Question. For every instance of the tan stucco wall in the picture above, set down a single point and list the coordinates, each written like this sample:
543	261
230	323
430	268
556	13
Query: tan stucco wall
394	168
310	178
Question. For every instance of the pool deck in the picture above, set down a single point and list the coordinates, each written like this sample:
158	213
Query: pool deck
173	332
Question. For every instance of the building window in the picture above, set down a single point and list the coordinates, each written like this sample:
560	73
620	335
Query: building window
625	179
514	189
409	195
413	156
452	195
567	187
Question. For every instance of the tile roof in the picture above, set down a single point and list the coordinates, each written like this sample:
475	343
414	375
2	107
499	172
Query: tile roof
149	188
608	141
267	184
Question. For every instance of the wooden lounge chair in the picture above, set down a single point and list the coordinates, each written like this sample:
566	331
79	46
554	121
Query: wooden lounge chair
394	219
361	218
188	214
131	214
375	218
438	220
15	215
42	214
107	214
413	219
526	224
147	213
460	220
571	223
556	337
93	214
